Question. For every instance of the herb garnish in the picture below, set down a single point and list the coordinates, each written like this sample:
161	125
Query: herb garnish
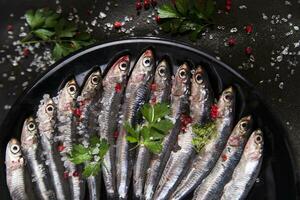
186	16
46	26
92	156
203	134
151	133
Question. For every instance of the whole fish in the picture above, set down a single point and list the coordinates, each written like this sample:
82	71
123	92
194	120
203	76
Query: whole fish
212	186
89	96
206	159
200	103
46	126
247	170
33	155
15	167
179	106
136	94
65	103
114	84
160	93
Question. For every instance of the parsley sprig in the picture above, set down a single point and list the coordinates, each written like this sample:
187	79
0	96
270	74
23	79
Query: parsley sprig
91	156
47	26
151	133
203	134
186	16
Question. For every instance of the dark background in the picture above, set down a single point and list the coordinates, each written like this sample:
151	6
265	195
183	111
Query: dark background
273	70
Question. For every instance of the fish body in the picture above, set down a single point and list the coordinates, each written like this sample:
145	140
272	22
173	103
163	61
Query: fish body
247	170
205	160
33	156
15	167
89	96
114	84
46	126
212	186
160	93
201	99
179	106
136	94
65	103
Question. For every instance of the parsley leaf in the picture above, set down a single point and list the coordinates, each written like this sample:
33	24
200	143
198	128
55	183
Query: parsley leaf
203	134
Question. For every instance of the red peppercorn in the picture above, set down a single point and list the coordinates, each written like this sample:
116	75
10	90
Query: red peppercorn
116	134
248	50
224	157
60	148
228	8
157	19
77	112
214	112
153	3
9	27
138	5
66	175
249	28
117	24
153	87
75	173
26	52
118	87
231	41
146	4
153	100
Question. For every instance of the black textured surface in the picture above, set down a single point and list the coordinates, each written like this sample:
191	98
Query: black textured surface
285	102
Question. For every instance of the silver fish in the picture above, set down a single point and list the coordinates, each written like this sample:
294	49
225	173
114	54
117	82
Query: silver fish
212	186
160	93
65	103
114	84
247	170
46	126
206	159
90	94
137	93
200	103
15	167
33	155
179	106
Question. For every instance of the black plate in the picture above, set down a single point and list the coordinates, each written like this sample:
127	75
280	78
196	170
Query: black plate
276	180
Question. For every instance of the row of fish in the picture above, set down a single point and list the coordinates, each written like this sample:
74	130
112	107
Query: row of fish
225	168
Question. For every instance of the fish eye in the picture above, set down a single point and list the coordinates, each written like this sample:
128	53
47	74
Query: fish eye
243	125
95	80
162	71
123	66
49	108
182	74
258	139
199	78
31	126
15	148
72	89
147	61
228	97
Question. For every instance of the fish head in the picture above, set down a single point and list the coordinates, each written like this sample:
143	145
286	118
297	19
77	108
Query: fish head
226	102
143	70
241	131
67	96
13	157
162	75
181	80
92	85
29	133
200	85
118	72
254	146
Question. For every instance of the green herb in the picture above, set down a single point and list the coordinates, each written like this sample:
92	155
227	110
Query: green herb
186	16
46	26
156	126
92	156
203	135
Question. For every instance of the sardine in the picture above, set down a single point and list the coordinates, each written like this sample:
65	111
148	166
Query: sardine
160	93
46	119
247	170
200	103
89	96
32	152
212	186
179	106
65	103
206	159
114	84
15	167
136	94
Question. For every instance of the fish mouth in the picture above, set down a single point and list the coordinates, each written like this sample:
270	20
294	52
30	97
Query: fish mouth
14	141
148	53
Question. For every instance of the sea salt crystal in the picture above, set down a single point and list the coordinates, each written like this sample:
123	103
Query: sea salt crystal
265	17
233	30
281	85
296	28
102	15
